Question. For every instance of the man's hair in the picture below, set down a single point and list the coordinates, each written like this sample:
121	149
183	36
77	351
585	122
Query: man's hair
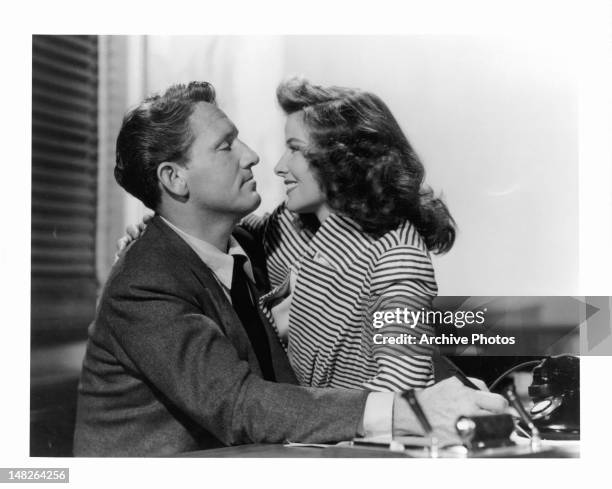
364	163
155	131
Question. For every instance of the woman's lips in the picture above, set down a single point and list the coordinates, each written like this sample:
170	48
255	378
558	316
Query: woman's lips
290	185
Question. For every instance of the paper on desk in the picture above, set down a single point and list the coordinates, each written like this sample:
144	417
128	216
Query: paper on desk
522	440
291	444
407	441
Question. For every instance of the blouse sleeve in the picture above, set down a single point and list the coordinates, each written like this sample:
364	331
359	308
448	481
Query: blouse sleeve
256	225
402	289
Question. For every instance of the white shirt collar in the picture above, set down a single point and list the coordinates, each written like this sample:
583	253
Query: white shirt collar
221	264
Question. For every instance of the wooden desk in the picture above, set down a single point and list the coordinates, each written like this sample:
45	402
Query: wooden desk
257	451
280	451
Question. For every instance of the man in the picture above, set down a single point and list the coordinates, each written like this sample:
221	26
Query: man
178	357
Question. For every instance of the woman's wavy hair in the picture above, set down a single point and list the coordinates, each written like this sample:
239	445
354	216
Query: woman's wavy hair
364	162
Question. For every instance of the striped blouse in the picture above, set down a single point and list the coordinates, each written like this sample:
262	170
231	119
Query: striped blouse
344	277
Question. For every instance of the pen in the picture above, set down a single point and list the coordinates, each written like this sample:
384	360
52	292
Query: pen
459	374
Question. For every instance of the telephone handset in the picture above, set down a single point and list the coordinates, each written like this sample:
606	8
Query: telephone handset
555	396
555	393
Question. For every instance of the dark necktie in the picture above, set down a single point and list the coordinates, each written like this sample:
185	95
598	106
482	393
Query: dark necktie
249	317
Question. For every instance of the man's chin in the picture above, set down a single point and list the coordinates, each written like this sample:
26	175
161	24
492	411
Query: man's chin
255	200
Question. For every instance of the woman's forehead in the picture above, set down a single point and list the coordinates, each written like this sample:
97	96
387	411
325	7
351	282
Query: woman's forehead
295	126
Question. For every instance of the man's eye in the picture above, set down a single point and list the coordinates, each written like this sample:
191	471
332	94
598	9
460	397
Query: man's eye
225	147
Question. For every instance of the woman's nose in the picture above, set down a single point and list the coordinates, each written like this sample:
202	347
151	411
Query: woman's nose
281	167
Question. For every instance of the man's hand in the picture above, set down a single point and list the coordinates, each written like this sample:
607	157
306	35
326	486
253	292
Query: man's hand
132	233
479	383
442	404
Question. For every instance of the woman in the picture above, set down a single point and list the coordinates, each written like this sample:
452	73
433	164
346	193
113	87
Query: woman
353	239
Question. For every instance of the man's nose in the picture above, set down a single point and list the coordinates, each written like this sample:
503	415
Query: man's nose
249	158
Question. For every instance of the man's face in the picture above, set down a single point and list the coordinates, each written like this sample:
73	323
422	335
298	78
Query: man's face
218	172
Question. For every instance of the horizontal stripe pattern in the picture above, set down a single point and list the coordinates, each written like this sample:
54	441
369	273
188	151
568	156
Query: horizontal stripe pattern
344	277
285	242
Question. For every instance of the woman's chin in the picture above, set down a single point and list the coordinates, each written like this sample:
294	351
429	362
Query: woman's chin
290	204
291	208
310	207
297	208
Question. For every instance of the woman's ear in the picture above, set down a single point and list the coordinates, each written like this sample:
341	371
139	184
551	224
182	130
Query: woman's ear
171	177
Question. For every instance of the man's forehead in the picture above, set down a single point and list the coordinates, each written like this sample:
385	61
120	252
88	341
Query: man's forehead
209	118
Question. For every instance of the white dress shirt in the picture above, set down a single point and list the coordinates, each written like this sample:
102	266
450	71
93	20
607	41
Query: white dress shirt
221	264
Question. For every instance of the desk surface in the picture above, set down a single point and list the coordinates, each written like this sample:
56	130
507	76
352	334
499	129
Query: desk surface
281	451
257	451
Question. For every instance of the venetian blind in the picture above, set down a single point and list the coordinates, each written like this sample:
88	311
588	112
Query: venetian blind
64	181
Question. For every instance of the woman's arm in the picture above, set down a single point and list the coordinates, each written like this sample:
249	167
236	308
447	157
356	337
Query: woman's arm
255	225
402	289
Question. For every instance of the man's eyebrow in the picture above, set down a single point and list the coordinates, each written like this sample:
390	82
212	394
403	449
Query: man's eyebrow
229	135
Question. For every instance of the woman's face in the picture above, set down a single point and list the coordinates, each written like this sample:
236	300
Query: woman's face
304	195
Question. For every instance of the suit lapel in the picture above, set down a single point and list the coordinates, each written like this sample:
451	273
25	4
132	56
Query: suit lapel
214	301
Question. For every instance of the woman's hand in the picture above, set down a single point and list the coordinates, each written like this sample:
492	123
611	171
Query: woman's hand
133	232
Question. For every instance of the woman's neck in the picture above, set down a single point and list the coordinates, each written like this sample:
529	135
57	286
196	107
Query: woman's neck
313	220
323	212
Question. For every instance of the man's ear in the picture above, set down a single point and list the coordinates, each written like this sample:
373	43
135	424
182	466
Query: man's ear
171	176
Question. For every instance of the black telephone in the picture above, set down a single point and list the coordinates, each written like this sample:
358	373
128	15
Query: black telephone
554	413
555	396
555	392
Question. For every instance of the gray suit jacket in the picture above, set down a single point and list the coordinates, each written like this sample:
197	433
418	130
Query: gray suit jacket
169	367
